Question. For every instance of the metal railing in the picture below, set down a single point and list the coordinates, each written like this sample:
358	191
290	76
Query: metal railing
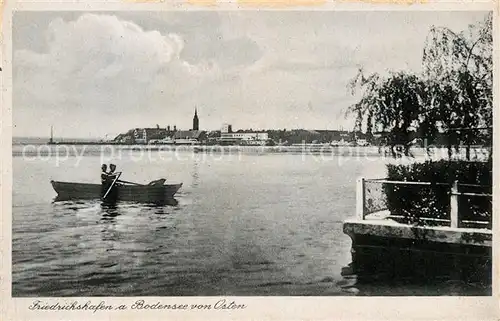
371	198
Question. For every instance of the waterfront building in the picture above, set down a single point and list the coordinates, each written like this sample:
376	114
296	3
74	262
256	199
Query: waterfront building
245	138
227	136
226	128
163	135
189	136
362	142
144	135
140	136
165	141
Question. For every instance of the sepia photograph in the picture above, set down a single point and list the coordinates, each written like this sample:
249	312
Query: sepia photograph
251	153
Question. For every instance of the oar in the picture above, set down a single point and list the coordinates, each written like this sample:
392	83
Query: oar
112	184
127	182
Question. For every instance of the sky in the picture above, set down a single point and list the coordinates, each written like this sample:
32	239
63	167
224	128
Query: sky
98	74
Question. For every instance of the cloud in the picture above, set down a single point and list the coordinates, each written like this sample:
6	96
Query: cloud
98	67
97	48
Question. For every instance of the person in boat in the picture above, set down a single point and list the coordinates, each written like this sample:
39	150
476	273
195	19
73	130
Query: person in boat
104	174
107	179
104	179
113	193
112	173
112	169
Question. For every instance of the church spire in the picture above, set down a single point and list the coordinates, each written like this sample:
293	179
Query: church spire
196	121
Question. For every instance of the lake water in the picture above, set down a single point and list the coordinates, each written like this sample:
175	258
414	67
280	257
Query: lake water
243	225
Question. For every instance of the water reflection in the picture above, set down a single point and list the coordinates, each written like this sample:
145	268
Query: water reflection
73	205
195	174
382	283
67	202
109	211
162	204
108	222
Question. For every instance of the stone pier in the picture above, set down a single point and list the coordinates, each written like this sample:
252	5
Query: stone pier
388	249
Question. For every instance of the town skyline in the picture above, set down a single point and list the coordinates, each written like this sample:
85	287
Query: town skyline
98	74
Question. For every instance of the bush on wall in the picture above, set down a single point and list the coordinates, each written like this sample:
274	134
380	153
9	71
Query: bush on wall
414	202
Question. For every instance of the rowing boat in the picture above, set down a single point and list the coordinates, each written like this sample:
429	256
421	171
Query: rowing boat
152	193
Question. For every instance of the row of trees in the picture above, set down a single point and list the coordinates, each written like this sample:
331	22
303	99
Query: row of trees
453	93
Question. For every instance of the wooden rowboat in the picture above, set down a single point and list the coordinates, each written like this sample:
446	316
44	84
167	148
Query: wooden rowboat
153	193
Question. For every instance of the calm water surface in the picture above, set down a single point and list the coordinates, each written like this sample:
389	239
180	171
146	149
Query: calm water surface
249	225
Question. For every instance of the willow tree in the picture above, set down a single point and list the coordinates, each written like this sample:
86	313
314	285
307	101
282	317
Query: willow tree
458	71
392	104
363	110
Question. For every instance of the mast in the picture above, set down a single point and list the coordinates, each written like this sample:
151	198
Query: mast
51	141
